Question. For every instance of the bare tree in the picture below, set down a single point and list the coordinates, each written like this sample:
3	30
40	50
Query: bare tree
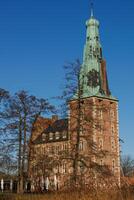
82	122
127	165
18	117
4	96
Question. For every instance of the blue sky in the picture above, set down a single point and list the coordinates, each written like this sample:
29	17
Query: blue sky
37	37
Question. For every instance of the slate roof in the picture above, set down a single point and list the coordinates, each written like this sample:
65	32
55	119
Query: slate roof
57	126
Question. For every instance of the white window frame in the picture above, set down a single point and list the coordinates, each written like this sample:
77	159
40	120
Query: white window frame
44	137
64	135
81	145
64	168
51	136
57	135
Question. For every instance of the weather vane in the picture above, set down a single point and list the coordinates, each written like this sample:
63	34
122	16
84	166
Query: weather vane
92	8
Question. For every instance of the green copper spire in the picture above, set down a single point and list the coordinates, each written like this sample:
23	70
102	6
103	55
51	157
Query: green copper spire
93	78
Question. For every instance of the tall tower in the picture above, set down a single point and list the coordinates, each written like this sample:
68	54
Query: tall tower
93	74
99	106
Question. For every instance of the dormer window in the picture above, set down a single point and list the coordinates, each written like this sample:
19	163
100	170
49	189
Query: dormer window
64	135
57	135
51	136
43	137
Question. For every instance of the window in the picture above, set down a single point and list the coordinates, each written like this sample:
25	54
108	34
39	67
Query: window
81	167
64	135
43	137
81	146
51	136
57	135
112	114
100	144
112	144
100	114
48	149
64	168
97	38
100	100
52	149
42	150
58	168
113	165
65	147
81	130
101	162
112	129
57	149
101	128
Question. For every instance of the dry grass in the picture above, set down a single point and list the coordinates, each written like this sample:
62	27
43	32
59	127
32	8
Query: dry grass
70	196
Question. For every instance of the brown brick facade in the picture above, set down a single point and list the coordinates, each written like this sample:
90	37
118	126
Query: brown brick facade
98	133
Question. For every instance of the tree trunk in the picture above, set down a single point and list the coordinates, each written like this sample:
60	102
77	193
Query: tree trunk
75	164
19	186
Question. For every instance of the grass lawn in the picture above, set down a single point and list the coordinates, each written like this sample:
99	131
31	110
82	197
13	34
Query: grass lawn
67	196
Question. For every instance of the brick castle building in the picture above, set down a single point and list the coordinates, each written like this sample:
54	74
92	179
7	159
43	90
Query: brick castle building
91	131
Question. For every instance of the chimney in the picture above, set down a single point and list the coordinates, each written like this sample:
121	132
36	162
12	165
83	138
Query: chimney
54	118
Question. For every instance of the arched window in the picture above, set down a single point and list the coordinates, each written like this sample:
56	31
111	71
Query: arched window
81	130
64	168
81	146
81	167
57	168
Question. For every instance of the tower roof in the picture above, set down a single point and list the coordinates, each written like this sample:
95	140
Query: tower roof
92	21
93	76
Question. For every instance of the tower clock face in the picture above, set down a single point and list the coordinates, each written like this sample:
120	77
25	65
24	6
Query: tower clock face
93	78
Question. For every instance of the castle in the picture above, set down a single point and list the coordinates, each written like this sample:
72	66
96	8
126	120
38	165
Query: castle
89	138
